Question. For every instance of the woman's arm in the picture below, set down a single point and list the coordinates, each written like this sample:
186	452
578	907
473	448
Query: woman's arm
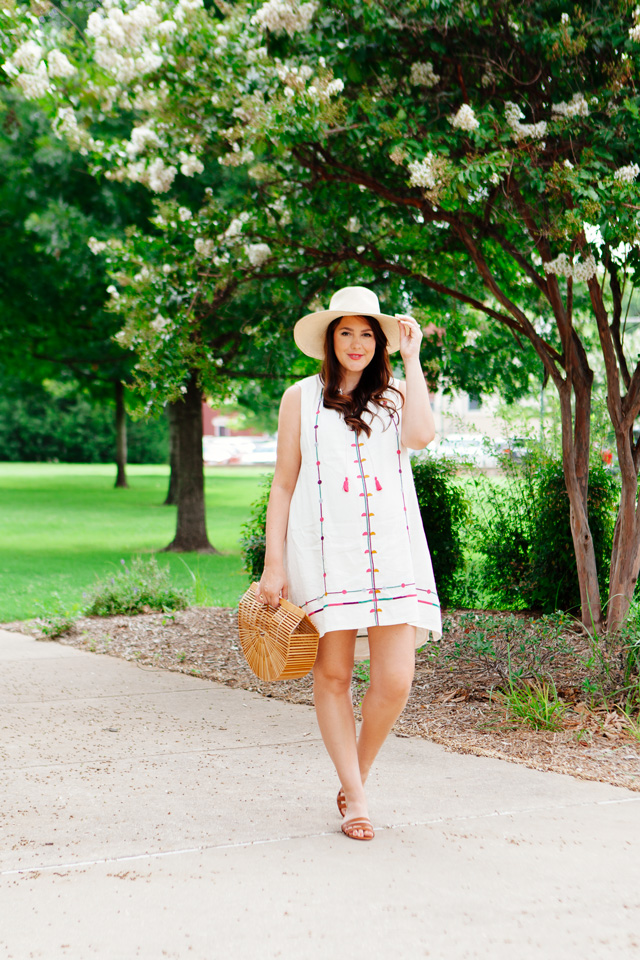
418	425
273	583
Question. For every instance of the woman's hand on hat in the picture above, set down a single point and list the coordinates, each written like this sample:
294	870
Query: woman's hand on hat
410	336
272	586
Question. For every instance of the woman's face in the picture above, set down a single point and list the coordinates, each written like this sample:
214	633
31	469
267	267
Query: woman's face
354	343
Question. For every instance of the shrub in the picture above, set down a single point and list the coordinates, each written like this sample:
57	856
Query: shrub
138	588
252	536
445	510
524	534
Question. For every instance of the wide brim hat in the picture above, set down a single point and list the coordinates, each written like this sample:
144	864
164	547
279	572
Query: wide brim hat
309	332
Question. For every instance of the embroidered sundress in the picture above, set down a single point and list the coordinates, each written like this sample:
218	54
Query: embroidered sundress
355	553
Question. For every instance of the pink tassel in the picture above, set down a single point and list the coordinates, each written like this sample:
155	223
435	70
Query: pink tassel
345	485
378	484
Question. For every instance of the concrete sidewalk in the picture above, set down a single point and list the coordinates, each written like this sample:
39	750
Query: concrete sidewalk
150	814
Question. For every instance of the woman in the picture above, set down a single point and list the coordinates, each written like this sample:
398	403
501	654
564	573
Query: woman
344	536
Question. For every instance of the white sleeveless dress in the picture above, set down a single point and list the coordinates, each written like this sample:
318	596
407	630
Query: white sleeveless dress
355	554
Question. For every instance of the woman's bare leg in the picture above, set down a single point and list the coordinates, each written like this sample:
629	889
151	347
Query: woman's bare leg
392	652
334	710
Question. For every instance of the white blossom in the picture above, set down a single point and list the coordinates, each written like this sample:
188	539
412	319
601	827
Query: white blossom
166	28
159	177
96	246
34	85
257	253
334	86
59	64
65	126
28	56
634	33
397	156
464	119
234	228
353	225
166	268
513	115
204	247
280	16
184	214
422	75
113	291
121	336
423	172
576	107
568	164
141	138
580	270
189	164
565	19
627	174
159	323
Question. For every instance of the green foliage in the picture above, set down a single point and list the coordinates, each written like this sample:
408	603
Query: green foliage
57	617
140	587
252	538
536	704
445	510
62	422
524	534
510	648
612	666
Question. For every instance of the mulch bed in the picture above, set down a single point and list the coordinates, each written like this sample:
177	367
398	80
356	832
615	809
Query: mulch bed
450	702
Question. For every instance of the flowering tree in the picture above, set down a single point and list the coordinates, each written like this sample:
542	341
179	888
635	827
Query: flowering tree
193	285
474	155
496	144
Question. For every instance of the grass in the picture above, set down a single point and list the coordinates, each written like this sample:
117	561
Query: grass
64	525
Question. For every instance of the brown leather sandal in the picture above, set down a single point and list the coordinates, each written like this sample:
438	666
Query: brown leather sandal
341	800
349	828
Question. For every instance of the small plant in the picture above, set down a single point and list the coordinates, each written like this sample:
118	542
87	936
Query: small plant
361	671
536	704
138	588
510	647
57	619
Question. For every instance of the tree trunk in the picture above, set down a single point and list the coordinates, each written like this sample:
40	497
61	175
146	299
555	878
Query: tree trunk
625	555
191	531
574	445
121	436
172	492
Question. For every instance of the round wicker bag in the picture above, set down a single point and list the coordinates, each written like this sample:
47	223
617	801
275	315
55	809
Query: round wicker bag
279	644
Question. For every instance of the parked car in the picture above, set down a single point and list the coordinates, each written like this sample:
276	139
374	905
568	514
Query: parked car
466	448
514	448
261	451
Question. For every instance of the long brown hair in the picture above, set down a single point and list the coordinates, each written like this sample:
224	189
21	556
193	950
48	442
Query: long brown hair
374	381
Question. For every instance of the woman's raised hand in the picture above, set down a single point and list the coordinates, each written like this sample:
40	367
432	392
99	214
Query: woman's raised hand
272	586
410	337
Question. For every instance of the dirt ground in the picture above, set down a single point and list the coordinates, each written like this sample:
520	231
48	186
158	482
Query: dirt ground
450	703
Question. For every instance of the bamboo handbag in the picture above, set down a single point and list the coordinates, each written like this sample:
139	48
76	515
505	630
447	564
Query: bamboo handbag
279	644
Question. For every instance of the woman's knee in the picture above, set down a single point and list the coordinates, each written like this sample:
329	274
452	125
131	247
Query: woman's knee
393	685
332	678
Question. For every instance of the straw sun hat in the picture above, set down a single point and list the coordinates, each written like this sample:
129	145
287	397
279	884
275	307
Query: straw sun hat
309	332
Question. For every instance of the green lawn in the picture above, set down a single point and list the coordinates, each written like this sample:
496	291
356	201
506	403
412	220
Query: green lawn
63	525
